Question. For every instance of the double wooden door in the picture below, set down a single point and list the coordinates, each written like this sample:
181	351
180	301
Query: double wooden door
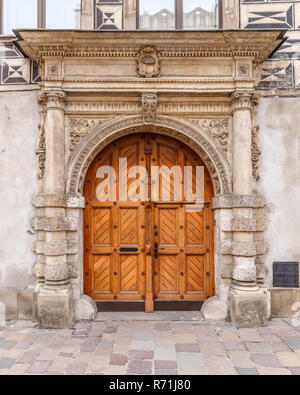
143	246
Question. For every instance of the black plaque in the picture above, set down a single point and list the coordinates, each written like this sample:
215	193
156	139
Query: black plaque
286	274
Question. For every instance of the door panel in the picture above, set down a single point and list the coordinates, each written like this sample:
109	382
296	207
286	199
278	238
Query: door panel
147	250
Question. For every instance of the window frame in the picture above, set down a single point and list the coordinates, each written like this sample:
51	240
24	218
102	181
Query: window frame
178	14
41	15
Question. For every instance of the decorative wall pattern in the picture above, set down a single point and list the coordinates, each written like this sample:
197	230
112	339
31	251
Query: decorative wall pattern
282	71
108	14
14	68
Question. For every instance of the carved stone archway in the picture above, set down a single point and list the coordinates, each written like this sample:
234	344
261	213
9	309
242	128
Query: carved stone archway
196	138
201	76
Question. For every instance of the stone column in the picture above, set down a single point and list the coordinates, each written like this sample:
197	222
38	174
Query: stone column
55	299
247	301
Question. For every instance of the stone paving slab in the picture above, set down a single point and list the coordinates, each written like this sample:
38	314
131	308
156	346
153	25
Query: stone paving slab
179	344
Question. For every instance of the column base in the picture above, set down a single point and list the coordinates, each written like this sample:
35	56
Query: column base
55	309
248	309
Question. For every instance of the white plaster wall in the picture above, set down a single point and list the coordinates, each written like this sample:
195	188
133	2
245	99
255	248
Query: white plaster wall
19	119
279	121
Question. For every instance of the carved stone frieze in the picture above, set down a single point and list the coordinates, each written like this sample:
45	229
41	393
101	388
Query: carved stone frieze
217	128
256	153
149	104
148	63
79	128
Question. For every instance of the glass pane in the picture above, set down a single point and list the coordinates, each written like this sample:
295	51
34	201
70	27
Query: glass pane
63	14
18	14
157	14
200	14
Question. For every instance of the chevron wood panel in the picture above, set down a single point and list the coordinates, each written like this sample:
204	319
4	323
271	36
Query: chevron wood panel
104	160
130	152
168	226
129	273
194	233
195	273
167	157
128	226
168	273
102	226
102	274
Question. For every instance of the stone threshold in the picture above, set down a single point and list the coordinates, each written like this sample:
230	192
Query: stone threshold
170	316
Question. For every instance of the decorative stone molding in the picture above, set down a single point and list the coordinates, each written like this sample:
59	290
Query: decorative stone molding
149	104
244	100
197	139
79	128
57	248
148	63
54	224
218	128
57	201
256	153
252	44
239	201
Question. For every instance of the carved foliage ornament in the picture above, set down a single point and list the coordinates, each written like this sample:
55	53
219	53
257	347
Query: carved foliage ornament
241	100
149	103
41	149
79	128
148	63
217	128
256	153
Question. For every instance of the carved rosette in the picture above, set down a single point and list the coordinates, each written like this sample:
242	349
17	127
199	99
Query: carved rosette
256	153
148	63
149	104
80	128
244	100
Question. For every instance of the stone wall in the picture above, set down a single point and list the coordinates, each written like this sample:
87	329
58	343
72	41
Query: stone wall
19	119
278	119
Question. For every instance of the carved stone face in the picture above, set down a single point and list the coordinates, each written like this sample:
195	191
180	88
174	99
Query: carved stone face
148	63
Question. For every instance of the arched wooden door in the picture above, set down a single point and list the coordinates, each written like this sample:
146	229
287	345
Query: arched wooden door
147	249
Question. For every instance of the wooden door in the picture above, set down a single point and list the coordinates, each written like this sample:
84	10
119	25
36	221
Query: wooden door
150	249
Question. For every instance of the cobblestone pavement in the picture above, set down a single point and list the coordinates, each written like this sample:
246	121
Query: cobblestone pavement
150	347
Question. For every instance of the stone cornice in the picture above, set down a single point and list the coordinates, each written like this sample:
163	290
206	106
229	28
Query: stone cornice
259	45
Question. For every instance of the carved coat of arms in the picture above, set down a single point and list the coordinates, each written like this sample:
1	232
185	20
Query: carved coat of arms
148	63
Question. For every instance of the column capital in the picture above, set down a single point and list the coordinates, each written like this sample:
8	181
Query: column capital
52	100
241	100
